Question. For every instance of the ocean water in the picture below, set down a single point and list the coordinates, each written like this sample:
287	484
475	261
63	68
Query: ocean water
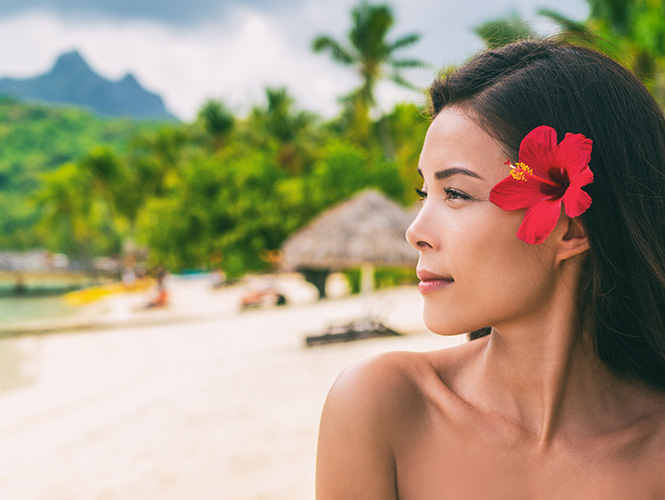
18	309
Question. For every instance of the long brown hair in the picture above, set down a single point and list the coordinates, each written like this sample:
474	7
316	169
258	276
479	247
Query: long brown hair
512	90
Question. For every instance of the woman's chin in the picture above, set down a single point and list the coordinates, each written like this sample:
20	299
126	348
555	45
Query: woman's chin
445	329
444	325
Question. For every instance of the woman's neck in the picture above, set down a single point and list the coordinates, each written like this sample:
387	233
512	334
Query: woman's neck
541	372
541	383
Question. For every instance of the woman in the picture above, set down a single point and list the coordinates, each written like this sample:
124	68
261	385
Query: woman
544	219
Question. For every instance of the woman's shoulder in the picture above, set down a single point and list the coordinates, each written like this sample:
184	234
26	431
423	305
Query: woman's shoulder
390	370
382	382
374	408
400	384
382	385
406	369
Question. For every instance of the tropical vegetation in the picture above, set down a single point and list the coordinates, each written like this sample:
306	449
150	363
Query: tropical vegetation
234	187
631	31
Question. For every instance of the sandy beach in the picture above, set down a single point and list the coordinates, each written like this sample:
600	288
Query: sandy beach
198	401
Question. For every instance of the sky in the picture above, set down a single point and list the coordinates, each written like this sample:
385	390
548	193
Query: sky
194	50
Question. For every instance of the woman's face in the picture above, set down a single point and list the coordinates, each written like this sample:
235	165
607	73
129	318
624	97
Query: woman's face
474	270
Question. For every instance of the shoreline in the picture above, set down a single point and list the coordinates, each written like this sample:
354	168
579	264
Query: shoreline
192	301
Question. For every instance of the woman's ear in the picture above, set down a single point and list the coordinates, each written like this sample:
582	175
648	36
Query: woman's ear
574	240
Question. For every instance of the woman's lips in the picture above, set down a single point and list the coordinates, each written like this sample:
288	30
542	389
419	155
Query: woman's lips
430	282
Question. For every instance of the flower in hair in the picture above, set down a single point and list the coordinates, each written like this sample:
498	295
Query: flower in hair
547	175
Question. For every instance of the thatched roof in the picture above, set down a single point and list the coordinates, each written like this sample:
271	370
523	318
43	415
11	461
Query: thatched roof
368	228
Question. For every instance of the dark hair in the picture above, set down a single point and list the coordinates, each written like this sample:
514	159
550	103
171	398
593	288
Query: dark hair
512	90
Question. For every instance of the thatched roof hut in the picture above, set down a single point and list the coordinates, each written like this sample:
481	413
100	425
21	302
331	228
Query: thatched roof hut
369	228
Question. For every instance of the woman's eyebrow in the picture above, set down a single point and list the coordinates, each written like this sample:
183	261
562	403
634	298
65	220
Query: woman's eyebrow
444	174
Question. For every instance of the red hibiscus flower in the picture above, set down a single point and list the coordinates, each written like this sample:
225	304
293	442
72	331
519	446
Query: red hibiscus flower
547	175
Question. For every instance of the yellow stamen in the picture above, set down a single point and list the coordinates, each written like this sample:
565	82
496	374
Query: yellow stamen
520	170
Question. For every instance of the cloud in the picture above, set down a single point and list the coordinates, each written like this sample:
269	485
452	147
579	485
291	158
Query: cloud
232	59
233	50
175	12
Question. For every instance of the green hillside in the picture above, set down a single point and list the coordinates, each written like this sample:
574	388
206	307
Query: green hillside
35	139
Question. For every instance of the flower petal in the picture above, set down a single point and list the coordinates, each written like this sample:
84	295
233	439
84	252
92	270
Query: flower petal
576	201
539	150
558	173
511	194
582	179
574	154
539	221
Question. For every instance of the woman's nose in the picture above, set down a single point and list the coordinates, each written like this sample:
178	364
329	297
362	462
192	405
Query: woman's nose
416	235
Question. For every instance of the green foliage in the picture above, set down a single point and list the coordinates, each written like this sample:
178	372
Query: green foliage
221	185
239	186
75	221
222	203
345	169
372	56
242	202
500	32
290	134
635	28
384	277
217	121
407	125
632	32
36	139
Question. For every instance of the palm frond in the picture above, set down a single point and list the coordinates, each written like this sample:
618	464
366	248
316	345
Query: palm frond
404	41
409	63
499	32
337	52
371	23
399	80
567	25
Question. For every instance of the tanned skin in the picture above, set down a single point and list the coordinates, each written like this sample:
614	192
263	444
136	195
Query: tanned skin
528	412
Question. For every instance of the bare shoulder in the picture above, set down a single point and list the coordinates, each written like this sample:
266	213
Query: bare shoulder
397	384
367	405
394	383
376	395
383	380
373	408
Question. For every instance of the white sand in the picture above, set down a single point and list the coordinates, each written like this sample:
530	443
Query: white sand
197	402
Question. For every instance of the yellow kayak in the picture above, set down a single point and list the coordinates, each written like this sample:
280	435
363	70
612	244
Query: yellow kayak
95	293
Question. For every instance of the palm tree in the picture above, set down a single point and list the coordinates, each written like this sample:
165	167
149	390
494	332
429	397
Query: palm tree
512	28
68	211
217	121
290	130
637	27
279	117
632	31
499	32
370	53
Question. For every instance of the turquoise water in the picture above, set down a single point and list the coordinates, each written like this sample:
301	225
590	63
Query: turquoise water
16	309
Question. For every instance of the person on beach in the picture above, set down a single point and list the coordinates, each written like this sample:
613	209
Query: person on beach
542	231
162	295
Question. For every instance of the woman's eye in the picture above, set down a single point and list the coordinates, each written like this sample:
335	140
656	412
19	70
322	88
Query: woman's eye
451	194
454	194
421	194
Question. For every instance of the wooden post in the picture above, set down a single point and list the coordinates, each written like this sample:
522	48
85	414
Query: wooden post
366	279
366	285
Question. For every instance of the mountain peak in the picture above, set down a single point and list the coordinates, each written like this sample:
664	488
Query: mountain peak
72	81
70	61
130	79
